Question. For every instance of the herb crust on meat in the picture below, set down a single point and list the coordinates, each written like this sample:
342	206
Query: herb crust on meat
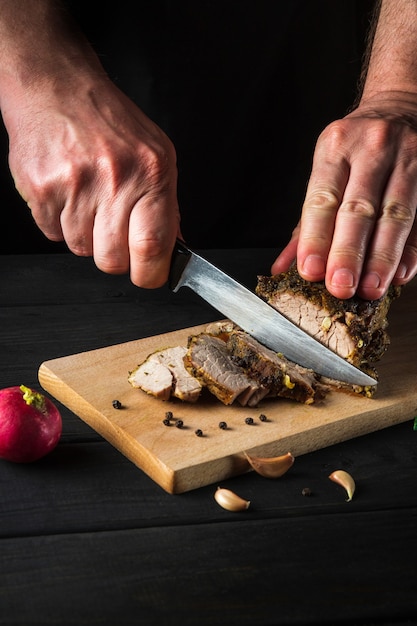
354	328
235	367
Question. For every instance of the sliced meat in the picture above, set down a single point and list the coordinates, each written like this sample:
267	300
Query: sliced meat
354	328
153	378
209	361
163	375
235	367
281	377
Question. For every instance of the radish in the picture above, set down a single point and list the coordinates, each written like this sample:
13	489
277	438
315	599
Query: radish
30	425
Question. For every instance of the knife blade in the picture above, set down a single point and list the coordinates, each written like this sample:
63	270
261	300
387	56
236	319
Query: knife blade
258	318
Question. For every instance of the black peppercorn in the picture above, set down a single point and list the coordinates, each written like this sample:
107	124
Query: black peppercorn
306	491
263	418
117	404
199	432
169	415
179	423
249	420
166	422
222	425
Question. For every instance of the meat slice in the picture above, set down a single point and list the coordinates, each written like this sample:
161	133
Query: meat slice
163	375
209	360
236	367
273	371
354	328
153	378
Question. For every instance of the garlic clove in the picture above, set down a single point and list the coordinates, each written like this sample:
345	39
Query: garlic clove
343	478
230	500
271	467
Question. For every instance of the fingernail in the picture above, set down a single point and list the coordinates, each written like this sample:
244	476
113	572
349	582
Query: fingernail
371	280
401	271
343	278
314	265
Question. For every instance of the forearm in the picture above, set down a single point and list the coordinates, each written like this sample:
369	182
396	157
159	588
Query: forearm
358	228
391	64
38	43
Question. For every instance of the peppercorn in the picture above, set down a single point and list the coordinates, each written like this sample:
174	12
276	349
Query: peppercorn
199	432
166	422
222	425
117	404
169	415
306	491
249	420
263	418
179	423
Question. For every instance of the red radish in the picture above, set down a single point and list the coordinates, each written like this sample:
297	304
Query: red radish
30	424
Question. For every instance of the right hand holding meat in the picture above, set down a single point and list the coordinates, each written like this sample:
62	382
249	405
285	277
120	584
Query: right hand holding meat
358	229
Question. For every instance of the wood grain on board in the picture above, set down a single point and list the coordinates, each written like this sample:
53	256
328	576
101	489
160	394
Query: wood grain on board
178	460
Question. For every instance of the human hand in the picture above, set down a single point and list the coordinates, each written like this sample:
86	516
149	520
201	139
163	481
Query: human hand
96	172
358	229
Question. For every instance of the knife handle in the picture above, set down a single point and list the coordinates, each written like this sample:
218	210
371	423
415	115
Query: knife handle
180	257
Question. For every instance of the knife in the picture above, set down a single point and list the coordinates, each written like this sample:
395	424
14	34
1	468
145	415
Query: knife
258	318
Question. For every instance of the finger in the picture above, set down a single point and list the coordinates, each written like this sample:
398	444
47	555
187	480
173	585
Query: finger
407	267
391	236
355	222
47	218
287	255
325	190
77	221
110	236
153	228
385	250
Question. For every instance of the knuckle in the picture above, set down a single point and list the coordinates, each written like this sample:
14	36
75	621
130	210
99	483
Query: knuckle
377	137
80	246
349	254
358	208
397	212
147	249
147	168
322	201
110	264
156	167
335	135
384	256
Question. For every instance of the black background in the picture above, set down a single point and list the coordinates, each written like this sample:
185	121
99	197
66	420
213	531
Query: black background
242	88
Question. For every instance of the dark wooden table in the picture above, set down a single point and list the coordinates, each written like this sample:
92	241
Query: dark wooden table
87	538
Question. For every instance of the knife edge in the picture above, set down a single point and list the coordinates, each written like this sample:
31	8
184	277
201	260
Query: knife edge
260	320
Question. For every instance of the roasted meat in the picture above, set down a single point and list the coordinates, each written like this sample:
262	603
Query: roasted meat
163	375
210	362
356	329
273	371
235	367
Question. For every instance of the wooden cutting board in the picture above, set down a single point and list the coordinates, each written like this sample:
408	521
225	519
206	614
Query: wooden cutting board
177	459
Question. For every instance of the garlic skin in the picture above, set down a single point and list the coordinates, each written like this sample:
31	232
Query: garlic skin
345	480
229	500
271	467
